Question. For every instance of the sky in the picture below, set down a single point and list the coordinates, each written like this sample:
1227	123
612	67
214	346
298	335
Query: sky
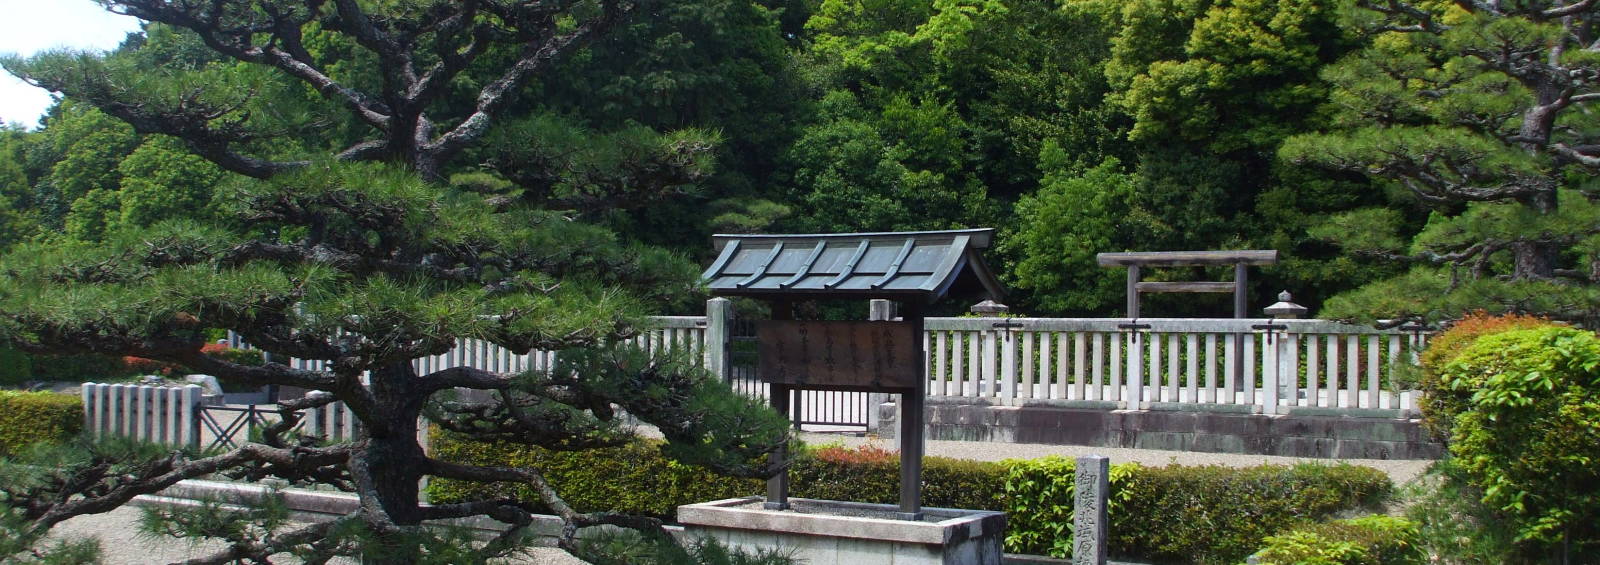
30	26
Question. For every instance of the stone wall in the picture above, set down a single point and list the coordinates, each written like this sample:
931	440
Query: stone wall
1322	432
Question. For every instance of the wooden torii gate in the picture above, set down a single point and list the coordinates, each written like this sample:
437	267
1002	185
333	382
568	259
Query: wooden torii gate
1241	261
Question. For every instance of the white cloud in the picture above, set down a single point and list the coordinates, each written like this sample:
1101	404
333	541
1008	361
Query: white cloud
30	26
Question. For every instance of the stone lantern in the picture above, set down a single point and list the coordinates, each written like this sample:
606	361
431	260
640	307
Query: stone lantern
990	309
1285	309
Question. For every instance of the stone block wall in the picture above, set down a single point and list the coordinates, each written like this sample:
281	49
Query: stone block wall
1322	433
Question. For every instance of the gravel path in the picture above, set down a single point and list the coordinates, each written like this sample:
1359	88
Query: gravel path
1400	471
121	543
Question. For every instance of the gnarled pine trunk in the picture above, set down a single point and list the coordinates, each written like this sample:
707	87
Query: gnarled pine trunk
391	466
1533	259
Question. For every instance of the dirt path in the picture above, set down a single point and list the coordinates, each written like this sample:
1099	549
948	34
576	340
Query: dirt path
122	544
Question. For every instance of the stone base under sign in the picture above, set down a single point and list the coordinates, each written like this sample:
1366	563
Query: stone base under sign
827	531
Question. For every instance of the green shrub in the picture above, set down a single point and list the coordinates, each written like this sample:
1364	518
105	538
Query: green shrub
1187	514
1220	515
79	368
1368	540
634	478
1455	524
31	417
1039	503
870	474
16	367
1438	410
1524	408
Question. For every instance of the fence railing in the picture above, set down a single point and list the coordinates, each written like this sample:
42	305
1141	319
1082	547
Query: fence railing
182	415
666	332
1259	365
146	413
1267	364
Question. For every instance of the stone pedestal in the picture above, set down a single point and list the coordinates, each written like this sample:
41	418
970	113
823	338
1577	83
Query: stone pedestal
827	531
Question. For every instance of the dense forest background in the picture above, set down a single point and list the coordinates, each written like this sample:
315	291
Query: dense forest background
1074	127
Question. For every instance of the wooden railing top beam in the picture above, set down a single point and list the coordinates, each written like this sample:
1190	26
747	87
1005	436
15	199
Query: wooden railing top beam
1158	325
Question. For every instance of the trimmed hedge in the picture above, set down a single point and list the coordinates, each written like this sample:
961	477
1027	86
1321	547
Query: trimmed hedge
1218	514
31	417
1158	514
871	474
18	368
1368	540
634	478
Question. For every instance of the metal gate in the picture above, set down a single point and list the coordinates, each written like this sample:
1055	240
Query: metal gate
812	410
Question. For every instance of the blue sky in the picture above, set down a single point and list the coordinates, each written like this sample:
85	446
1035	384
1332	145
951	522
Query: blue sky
29	26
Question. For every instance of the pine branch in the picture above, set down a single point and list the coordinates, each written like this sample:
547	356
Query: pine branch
531	420
1572	9
1580	155
536	56
467	377
315	536
452	60
1397	8
572	519
1485	247
284	30
170	471
190	120
508	511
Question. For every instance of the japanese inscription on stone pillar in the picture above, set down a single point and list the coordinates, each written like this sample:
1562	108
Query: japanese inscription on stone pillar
1092	486
862	355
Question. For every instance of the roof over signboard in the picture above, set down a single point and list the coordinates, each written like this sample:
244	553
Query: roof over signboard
901	265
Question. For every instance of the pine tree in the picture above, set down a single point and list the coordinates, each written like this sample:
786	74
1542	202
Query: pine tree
1479	111
366	258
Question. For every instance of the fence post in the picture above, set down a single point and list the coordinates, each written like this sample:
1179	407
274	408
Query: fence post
719	318
1271	371
173	416
189	410
1008	363
1135	366
89	423
122	416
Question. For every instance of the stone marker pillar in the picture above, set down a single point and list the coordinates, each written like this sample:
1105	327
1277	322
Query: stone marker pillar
1092	488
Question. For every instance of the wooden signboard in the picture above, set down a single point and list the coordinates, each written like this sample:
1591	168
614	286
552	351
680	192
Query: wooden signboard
871	356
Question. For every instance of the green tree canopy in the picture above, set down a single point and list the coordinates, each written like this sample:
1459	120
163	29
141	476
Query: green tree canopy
293	177
1475	110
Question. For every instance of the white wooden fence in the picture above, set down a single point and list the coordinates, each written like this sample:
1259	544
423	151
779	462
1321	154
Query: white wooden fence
1270	365
157	414
181	415
1256	365
667	332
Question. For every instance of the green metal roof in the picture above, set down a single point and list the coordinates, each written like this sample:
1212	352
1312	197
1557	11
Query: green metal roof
924	264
